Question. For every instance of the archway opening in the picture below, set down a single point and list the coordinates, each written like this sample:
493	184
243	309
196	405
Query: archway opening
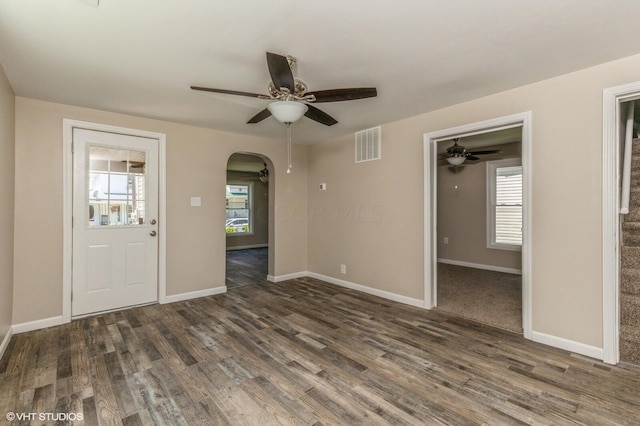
248	219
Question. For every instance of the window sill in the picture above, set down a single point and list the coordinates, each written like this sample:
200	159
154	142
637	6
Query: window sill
507	247
239	234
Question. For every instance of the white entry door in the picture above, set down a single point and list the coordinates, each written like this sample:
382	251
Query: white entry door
115	221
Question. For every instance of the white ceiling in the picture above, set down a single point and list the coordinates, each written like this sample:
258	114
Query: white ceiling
140	56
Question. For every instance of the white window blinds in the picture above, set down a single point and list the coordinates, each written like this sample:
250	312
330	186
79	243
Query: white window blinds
508	207
504	204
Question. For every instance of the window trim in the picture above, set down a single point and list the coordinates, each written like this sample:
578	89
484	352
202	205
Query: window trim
250	208
491	203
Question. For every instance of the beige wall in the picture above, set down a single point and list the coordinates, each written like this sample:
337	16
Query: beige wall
371	216
196	166
462	215
383	248
7	150
260	209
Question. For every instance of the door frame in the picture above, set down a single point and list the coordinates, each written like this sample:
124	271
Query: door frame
430	205
67	210
611	99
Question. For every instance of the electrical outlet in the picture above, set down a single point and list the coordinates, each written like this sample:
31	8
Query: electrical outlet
446	240
323	186
343	269
196	201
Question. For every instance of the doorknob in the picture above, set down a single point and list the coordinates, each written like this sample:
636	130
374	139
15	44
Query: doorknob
153	233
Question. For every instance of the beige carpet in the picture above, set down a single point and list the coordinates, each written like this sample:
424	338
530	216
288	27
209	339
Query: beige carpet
492	298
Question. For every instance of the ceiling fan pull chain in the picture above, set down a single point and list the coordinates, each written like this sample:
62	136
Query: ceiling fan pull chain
289	137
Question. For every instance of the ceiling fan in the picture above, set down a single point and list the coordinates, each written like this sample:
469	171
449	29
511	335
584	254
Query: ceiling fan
262	175
456	154
290	97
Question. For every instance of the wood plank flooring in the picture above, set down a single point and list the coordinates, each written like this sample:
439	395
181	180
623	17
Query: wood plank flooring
304	352
244	267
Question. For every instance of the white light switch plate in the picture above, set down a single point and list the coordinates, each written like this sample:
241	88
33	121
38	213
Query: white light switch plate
196	201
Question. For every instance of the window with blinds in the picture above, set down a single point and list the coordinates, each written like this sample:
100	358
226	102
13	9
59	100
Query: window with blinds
504	181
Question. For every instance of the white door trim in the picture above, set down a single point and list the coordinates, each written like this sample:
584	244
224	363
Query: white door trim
430	207
611	99
67	183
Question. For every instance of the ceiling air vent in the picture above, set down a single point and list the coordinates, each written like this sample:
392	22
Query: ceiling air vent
368	145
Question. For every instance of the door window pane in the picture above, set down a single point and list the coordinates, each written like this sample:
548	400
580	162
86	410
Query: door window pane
116	187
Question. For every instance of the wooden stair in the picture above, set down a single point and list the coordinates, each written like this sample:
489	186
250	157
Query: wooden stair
630	269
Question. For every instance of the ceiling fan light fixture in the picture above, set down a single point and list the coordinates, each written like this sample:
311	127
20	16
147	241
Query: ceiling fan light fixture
456	160
287	111
263	174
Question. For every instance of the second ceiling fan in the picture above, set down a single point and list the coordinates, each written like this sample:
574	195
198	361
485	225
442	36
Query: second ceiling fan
456	154
284	87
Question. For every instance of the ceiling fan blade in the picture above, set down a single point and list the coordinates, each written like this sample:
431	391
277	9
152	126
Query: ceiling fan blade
228	92
335	95
491	151
320	116
472	158
265	113
280	71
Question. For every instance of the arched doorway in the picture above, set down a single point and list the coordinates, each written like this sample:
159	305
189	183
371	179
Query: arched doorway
248	220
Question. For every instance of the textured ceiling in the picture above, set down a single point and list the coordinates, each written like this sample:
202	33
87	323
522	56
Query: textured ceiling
139	57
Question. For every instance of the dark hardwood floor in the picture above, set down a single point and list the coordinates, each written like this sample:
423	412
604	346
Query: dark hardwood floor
305	352
246	267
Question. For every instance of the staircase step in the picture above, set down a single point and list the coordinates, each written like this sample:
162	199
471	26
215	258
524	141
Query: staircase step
634	199
634	209
630	268
630	344
631	234
629	351
633	216
630	310
630	281
630	333
630	259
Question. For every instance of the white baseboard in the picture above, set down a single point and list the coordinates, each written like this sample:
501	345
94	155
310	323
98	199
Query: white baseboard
194	294
254	246
37	325
547	339
353	286
293	276
364	289
5	341
481	266
568	345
